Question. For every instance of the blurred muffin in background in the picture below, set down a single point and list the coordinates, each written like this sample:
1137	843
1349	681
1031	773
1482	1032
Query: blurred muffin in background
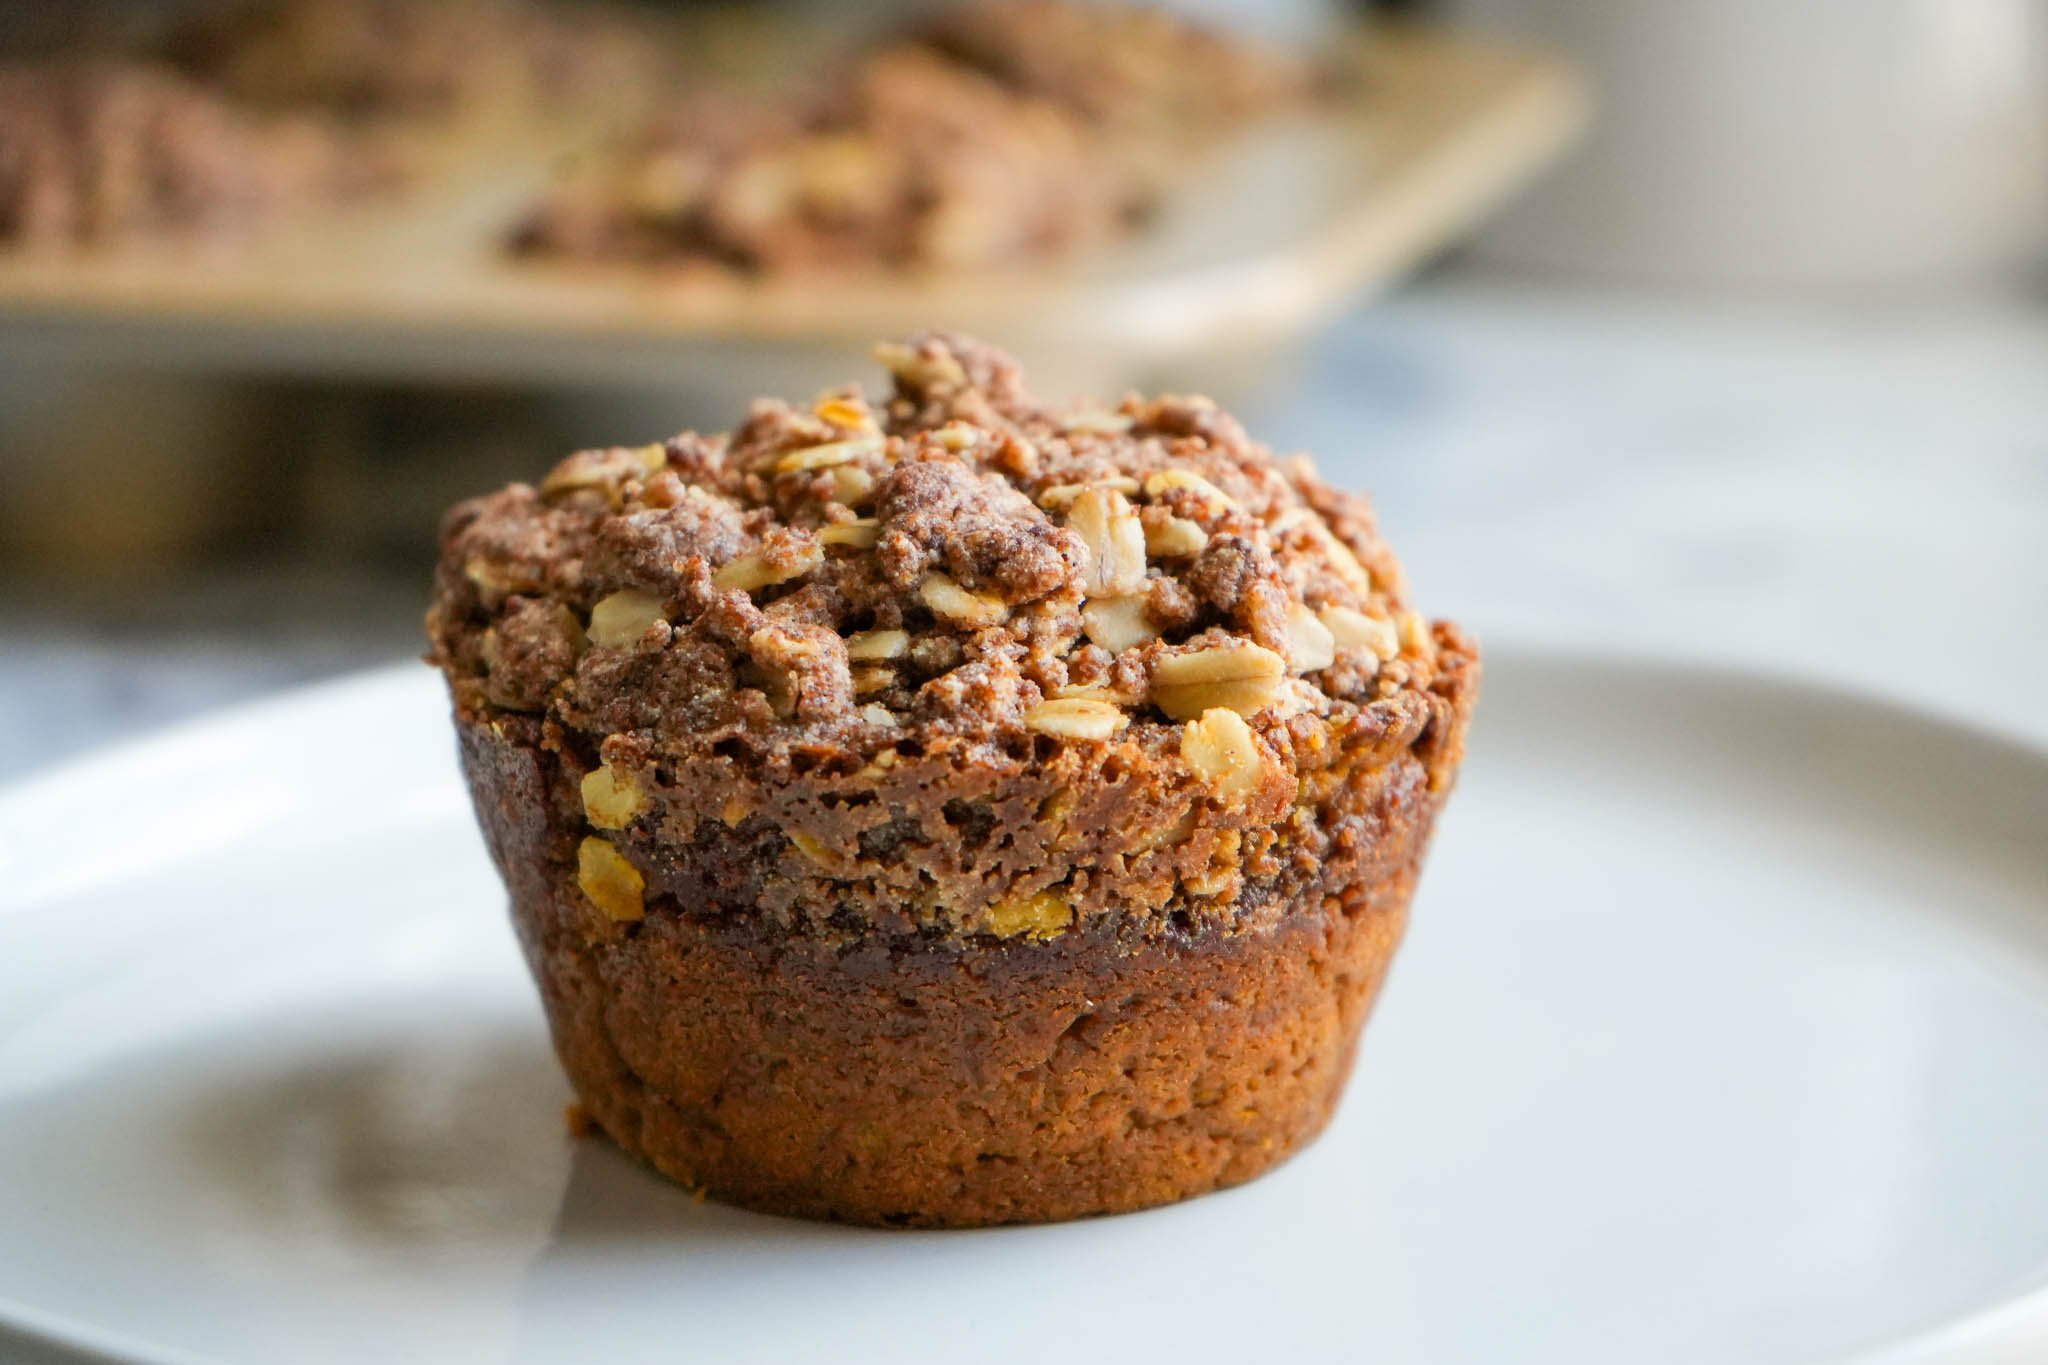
906	160
95	152
987	135
1129	69
417	58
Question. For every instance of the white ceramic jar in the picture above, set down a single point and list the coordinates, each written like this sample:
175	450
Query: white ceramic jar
1791	142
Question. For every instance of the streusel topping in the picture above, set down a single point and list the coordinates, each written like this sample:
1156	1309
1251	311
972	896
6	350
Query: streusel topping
955	557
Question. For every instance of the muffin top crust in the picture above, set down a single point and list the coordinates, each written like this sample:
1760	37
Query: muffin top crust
952	659
956	558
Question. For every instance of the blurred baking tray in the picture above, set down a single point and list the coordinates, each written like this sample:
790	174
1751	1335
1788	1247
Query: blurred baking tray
1271	234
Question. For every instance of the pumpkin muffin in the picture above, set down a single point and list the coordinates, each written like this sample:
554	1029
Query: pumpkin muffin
950	809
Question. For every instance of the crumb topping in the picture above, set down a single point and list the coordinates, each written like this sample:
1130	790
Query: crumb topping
953	556
952	660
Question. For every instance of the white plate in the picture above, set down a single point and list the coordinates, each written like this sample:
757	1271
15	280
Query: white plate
1721	1035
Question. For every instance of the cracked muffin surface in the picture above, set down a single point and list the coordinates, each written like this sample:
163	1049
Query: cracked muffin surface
950	747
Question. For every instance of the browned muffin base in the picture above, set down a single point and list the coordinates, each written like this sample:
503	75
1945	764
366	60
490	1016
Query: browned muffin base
946	1082
952	1087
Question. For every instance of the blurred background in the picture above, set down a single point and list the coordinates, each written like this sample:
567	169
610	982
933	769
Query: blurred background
1716	329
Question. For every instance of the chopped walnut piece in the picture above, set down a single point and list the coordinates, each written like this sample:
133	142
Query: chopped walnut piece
1117	623
1061	495
618	621
613	885
1075	718
1175	538
826	456
936	371
954	603
860	533
759	569
1220	746
852	485
1095	691
1355	630
1311	646
957	437
877	644
1166	480
1041	916
845	412
1115	541
1415	637
604	470
612	798
492	583
1241	676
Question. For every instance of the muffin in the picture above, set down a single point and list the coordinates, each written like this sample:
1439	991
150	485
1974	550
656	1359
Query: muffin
1131	70
953	809
418	59
984	136
103	151
905	160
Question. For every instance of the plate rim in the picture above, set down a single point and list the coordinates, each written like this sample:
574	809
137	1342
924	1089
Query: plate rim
2004	1329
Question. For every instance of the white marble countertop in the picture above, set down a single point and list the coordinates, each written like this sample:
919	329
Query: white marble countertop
1853	495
